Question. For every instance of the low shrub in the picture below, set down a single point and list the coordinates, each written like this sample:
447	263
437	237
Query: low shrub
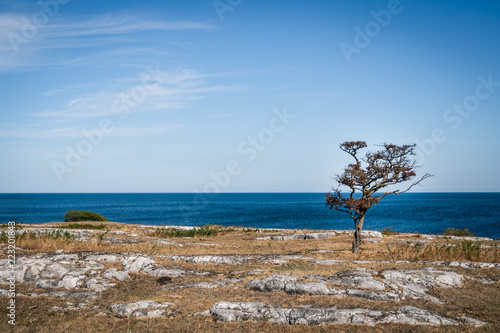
204	231
82	215
84	226
388	231
458	232
58	234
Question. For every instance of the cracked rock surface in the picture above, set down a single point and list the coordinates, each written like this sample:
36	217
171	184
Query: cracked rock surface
145	308
84	273
243	311
396	285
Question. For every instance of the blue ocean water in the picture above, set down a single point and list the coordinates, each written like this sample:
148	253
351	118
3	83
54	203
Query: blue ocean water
410	212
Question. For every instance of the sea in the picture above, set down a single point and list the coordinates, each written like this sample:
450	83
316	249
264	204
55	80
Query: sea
427	213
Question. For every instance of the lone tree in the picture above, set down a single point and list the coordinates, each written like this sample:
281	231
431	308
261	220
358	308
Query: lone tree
389	166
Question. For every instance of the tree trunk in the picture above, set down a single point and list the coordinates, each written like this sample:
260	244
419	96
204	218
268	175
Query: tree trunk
357	234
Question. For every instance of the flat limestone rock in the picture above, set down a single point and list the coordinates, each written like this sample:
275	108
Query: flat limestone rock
359	278
334	316
427	277
136	264
416	283
271	283
113	273
98	284
290	285
144	308
46	284
360	283
166	272
415	316
243	311
289	237
210	259
55	270
70	282
104	258
203	285
310	288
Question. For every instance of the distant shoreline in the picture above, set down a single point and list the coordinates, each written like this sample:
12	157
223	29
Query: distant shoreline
365	233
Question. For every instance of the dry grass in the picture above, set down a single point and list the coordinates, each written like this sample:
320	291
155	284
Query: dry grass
465	250
477	300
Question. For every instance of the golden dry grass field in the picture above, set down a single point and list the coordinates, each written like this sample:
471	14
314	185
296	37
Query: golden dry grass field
478	296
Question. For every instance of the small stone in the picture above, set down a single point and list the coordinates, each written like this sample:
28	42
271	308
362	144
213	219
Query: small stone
472	321
70	282
134	264
104	258
113	273
98	284
139	309
164	305
46	284
155	313
205	285
202	313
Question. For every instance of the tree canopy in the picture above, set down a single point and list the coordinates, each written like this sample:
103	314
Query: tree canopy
390	165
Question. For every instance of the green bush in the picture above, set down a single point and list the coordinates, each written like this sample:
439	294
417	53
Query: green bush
458	232
204	231
60	234
82	215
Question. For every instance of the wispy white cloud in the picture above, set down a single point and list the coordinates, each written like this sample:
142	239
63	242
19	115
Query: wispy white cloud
21	49
75	101
68	88
164	90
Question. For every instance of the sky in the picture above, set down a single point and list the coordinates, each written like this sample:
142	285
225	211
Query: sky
244	96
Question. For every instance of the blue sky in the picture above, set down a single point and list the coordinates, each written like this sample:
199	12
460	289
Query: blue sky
244	96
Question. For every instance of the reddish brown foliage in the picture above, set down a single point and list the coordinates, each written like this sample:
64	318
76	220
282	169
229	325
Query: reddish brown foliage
390	165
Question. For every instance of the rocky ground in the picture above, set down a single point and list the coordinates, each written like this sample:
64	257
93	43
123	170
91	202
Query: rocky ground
125	278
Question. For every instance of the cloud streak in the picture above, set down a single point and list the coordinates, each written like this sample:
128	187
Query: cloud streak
50	44
167	91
